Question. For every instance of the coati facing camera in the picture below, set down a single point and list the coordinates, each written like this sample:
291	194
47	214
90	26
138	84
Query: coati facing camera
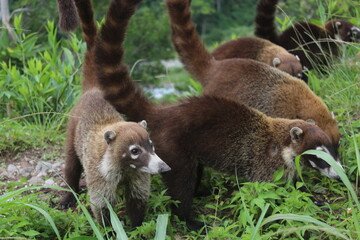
218	133
260	50
245	81
112	152
314	45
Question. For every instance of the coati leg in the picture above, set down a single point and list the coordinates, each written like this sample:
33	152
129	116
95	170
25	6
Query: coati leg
72	172
182	189
137	192
98	189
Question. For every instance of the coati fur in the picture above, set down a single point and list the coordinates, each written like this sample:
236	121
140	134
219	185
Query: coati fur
112	152
68	18
260	50
314	45
212	131
267	89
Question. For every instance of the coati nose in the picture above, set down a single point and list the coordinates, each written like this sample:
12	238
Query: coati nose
164	167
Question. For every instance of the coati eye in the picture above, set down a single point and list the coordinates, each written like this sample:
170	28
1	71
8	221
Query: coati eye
135	151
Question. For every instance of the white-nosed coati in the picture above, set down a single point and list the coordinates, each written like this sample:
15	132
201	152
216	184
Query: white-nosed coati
314	45
211	131
112	152
260	50
271	91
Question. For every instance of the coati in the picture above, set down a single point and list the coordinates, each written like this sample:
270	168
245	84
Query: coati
245	81
68	18
260	50
314	45
213	131
112	152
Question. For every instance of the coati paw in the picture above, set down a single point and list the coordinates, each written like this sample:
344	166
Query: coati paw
194	225
68	201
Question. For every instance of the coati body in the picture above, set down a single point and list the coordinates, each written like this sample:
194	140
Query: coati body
314	45
112	153
215	132
260	50
245	81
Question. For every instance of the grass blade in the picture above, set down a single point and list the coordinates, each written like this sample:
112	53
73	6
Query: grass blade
115	222
258	224
303	218
161	225
47	216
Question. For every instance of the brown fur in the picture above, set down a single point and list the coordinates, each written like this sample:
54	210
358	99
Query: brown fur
272	92
87	146
260	50
315	45
68	19
222	134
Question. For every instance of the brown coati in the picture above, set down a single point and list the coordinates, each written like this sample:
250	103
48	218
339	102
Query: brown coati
212	131
112	152
68	18
314	45
260	50
271	91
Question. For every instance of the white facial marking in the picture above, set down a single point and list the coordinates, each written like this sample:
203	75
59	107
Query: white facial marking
155	165
133	156
132	165
124	155
330	171
288	154
313	164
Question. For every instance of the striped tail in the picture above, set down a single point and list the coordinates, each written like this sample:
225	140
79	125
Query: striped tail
111	73
265	20
88	25
68	18
191	50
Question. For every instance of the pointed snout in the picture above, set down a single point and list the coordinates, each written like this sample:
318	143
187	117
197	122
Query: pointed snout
156	165
164	167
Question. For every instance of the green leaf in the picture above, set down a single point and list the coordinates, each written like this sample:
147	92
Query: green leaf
31	233
161	225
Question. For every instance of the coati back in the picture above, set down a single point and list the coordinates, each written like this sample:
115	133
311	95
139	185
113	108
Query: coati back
271	91
260	50
314	45
211	131
111	152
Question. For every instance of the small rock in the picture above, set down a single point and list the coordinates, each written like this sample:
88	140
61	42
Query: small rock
36	180
42	168
49	182
26	172
12	170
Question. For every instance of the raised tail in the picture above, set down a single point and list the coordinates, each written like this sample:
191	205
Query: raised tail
265	20
88	25
68	18
111	73
192	52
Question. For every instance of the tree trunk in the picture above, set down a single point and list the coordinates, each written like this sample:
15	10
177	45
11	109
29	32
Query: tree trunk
5	16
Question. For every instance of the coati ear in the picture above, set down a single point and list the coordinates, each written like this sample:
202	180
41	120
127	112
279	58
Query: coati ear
143	123
109	135
338	24
276	62
311	121
297	57
296	134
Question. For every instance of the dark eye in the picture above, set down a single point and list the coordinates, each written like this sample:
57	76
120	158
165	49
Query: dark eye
135	151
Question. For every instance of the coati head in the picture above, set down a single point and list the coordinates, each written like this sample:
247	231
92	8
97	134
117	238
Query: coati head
307	136
343	30
128	145
288	63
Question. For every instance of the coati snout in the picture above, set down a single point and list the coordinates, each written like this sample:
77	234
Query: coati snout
306	138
